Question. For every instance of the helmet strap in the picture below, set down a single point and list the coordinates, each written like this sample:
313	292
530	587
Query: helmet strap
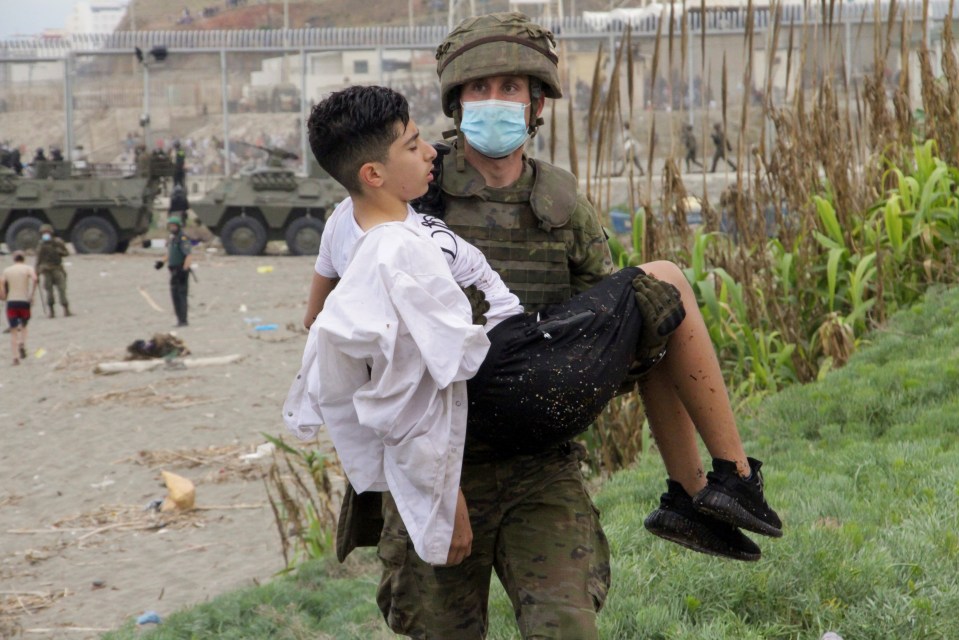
460	146
535	93
533	128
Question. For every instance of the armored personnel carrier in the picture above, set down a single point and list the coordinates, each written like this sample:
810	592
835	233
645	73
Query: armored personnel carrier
270	203
99	211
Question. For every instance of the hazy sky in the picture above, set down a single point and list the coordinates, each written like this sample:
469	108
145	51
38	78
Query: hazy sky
19	17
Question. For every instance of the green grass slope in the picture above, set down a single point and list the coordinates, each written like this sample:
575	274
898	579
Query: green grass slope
862	466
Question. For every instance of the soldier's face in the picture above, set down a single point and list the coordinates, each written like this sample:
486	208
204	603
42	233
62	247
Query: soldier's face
510	88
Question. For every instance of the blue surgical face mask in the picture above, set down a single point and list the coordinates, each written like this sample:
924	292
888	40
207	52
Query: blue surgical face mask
45	236
495	128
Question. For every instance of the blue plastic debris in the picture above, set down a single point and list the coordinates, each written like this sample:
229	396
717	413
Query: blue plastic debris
149	617
266	327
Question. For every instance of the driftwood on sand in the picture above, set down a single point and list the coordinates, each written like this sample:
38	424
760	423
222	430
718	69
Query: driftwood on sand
177	363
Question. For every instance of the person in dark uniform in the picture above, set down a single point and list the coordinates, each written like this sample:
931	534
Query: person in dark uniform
722	146
179	165
689	142
177	260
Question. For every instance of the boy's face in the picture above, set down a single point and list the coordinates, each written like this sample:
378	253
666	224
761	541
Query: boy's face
407	170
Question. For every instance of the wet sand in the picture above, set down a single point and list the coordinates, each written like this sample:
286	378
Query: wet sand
81	453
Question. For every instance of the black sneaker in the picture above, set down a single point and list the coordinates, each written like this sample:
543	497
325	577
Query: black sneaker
678	521
738	501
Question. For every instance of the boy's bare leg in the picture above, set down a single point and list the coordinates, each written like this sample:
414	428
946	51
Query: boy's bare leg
674	433
15	343
689	381
685	394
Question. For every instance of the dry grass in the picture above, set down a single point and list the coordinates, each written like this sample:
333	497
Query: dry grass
224	463
828	134
305	490
14	604
122	517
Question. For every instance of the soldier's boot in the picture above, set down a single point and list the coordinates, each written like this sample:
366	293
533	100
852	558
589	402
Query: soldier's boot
53	312
66	310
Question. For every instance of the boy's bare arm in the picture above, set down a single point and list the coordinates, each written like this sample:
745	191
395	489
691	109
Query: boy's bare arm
320	289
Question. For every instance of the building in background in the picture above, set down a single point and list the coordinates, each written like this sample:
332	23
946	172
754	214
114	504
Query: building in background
96	16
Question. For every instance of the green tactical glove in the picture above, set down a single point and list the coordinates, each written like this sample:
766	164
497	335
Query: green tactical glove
478	304
662	310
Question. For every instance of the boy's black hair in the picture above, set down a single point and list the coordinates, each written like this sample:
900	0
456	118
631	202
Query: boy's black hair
354	126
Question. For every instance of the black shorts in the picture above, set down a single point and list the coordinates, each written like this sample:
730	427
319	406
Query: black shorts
547	376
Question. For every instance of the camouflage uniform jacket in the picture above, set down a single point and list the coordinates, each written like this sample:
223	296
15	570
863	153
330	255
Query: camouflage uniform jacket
50	255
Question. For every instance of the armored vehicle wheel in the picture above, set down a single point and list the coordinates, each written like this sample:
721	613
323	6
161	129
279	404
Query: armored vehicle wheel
94	235
24	233
243	236
303	236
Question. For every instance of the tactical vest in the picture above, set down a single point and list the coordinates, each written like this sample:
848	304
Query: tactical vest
176	256
522	229
49	256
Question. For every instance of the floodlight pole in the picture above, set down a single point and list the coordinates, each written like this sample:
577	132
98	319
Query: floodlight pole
146	105
68	65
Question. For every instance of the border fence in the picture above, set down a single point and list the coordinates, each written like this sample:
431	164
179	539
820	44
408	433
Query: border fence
203	84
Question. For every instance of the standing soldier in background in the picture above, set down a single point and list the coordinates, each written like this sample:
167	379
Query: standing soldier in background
179	165
179	203
142	160
689	142
18	285
630	151
50	254
722	146
177	260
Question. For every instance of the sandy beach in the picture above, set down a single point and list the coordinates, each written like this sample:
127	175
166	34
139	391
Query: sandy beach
82	453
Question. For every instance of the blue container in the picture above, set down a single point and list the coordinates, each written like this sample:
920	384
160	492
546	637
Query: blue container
622	221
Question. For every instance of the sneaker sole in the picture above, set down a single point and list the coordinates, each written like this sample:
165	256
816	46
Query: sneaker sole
724	507
675	529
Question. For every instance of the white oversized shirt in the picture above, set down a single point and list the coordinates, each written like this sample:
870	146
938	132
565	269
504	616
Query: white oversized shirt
467	263
385	367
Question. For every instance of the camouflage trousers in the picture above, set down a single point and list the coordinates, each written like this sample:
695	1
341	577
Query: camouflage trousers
55	278
535	524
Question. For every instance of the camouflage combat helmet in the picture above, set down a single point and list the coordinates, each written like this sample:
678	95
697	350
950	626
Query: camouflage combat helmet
46	228
505	43
175	220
